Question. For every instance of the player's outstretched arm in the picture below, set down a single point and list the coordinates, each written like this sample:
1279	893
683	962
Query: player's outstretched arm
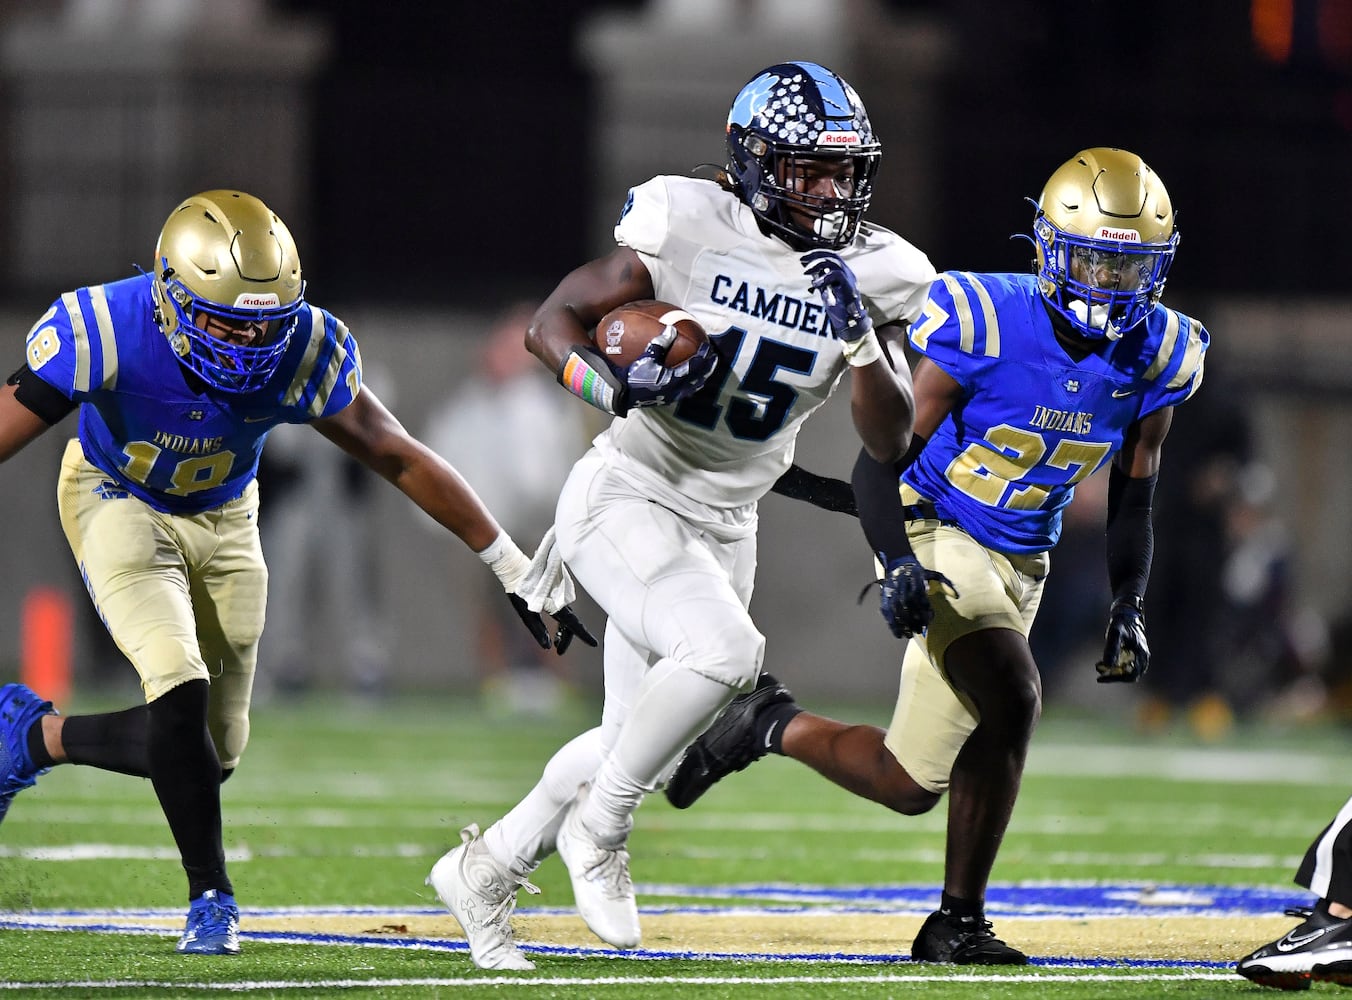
370	433
18	424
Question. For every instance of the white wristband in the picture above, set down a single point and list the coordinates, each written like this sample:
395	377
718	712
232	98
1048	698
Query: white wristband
863	351
507	562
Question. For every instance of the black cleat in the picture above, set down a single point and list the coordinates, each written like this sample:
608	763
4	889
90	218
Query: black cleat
1317	950
955	940
732	743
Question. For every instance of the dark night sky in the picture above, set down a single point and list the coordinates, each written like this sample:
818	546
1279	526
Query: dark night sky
462	131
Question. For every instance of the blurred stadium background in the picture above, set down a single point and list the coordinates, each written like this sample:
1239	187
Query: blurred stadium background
440	161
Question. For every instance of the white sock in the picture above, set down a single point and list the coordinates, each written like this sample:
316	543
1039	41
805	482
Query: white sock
674	705
525	836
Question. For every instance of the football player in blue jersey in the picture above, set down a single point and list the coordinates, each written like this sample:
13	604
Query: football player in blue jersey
178	375
1025	385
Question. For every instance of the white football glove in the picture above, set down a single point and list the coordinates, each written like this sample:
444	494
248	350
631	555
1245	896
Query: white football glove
547	586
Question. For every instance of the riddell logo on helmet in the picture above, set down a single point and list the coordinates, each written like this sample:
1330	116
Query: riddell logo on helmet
838	139
1121	235
251	300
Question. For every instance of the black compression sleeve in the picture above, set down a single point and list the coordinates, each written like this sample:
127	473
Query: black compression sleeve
1131	534
39	396
878	494
820	491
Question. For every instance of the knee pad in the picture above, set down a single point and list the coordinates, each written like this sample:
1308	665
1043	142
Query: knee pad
729	651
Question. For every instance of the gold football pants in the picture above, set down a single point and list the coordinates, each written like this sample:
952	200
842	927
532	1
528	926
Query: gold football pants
183	596
932	721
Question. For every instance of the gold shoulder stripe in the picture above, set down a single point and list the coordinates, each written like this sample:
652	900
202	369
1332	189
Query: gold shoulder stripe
330	377
1192	358
1166	351
987	313
307	362
103	319
83	363
963	305
962	302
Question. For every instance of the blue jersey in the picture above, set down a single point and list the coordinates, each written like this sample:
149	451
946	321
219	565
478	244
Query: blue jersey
180	450
1032	421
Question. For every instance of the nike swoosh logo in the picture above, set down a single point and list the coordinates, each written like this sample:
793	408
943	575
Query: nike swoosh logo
1293	940
1123	393
255	420
769	733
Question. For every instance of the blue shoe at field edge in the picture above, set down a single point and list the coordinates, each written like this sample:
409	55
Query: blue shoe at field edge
213	926
20	707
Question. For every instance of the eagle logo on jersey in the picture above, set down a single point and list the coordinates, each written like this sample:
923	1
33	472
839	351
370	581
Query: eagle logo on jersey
109	490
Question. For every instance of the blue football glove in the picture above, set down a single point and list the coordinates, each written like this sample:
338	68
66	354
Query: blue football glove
1126	654
650	383
833	280
904	600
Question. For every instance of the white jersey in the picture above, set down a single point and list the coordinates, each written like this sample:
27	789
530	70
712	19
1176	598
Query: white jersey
726	445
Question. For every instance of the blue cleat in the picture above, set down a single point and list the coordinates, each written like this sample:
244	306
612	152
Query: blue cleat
213	926
19	709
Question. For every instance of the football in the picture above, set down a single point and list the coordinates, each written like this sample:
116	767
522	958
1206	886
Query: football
626	331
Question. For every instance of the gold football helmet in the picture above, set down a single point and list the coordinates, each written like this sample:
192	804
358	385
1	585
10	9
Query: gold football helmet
1105	237
227	255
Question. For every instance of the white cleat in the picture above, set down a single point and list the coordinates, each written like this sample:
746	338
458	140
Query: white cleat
481	895
601	885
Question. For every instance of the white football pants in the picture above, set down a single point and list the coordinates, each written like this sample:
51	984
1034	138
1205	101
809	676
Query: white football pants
674	579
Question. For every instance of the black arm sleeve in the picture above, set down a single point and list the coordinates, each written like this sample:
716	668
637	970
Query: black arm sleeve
1131	535
39	396
878	494
820	491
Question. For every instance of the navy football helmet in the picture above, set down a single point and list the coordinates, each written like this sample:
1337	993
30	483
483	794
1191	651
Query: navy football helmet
227	255
787	115
1105	237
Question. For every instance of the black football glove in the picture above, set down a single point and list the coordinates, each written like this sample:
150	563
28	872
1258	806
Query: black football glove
1126	654
833	280
904	597
569	625
650	383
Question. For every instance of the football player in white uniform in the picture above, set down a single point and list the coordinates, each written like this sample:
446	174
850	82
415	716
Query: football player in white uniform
178	376
1319	948
1026	384
658	520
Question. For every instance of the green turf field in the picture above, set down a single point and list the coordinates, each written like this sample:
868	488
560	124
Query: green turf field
340	810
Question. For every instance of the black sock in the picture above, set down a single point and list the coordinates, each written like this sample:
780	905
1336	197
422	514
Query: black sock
186	773
962	908
37	747
204	877
112	741
772	722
